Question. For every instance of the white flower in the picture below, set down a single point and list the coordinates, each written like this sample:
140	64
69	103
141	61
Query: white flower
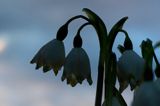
77	67
130	69
50	56
148	94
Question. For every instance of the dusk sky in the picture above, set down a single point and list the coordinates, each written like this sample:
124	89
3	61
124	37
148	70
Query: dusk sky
26	25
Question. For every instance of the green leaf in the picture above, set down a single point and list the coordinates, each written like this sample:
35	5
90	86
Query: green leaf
111	78
96	21
120	98
114	31
99	26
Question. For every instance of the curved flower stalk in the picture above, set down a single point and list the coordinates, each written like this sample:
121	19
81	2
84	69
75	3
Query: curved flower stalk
50	56
77	67
130	70
147	94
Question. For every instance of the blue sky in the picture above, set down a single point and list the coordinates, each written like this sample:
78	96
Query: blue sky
26	25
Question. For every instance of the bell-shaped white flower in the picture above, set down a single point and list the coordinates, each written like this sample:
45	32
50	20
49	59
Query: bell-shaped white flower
148	94
50	56
130	69
77	67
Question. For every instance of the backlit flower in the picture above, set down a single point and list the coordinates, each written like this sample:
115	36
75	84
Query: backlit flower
77	67
50	56
148	94
130	69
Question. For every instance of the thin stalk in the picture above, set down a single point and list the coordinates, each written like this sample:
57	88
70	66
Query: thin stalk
155	58
117	94
77	17
81	27
99	89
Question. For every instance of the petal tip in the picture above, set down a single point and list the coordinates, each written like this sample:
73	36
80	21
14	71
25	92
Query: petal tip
90	81
37	66
32	61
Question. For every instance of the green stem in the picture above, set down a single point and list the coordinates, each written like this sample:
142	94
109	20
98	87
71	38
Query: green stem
155	58
106	42
102	37
99	89
114	31
81	27
117	94
125	33
108	77
77	17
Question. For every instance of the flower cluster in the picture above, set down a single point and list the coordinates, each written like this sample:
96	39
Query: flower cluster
76	64
131	69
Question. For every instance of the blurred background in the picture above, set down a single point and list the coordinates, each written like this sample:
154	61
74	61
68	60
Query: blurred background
26	25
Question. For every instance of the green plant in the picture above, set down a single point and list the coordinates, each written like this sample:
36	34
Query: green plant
130	69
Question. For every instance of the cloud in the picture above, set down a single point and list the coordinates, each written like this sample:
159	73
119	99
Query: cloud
18	88
42	94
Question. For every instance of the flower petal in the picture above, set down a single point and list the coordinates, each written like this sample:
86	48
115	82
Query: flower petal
147	94
131	65
50	56
77	64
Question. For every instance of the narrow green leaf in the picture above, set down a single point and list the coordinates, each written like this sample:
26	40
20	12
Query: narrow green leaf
96	21
98	25
110	79
120	98
114	31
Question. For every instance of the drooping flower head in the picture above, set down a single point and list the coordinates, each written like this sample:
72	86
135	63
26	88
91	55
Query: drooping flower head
50	56
130	69
77	65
